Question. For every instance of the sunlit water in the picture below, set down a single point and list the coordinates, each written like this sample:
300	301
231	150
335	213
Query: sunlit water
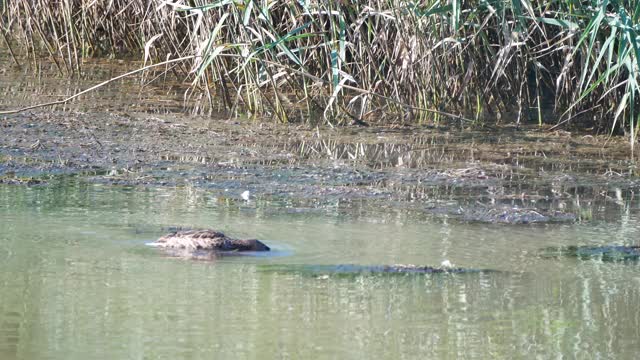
78	282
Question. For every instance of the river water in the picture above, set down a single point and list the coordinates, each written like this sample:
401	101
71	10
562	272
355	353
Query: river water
77	282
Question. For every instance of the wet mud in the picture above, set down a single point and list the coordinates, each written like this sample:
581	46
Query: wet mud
509	175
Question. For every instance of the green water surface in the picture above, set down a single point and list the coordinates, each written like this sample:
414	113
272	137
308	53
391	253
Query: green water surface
78	282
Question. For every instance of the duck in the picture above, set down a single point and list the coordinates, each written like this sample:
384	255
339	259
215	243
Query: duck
211	240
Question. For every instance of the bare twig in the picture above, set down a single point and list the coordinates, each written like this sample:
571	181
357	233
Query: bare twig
7	112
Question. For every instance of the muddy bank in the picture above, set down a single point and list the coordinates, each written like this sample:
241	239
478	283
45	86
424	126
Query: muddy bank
419	168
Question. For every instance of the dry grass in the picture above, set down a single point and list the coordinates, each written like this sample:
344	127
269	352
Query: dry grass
368	60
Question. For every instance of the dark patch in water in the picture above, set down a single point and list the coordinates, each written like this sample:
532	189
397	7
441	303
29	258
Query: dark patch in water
612	253
350	269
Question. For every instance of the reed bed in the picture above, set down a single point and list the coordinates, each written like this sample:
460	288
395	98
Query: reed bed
557	62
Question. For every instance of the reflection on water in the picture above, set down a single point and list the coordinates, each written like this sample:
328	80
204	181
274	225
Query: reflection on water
77	282
151	91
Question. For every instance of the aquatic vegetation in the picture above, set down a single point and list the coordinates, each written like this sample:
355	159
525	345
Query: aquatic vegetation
367	60
351	269
516	215
611	253
29	181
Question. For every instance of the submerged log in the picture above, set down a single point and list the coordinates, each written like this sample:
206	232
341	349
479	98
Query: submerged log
210	240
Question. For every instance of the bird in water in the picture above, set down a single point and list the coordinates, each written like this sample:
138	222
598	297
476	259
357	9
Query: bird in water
211	240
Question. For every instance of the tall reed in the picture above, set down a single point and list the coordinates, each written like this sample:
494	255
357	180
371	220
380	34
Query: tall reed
375	60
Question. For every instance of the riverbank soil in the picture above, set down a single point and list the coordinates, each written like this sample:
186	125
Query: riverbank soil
437	169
